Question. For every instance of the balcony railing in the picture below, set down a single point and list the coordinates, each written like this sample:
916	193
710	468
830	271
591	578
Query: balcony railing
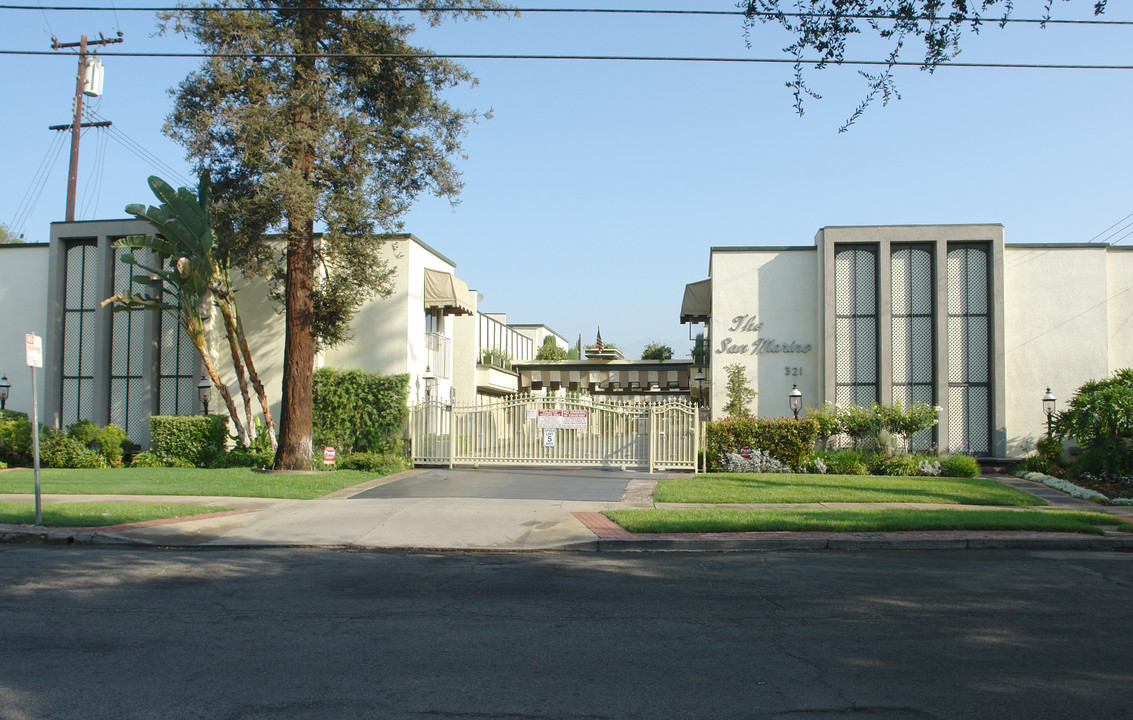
438	354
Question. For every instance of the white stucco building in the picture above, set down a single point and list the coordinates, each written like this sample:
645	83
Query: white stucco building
123	367
948	315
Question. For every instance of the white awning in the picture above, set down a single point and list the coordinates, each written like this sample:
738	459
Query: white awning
697	304
447	293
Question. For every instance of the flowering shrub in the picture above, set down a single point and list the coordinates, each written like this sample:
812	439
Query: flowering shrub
759	462
1067	487
819	466
930	469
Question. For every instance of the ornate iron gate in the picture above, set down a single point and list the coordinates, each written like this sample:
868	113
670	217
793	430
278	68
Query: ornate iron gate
536	430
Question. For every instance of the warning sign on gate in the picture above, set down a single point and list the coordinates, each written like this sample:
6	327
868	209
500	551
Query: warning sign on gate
563	419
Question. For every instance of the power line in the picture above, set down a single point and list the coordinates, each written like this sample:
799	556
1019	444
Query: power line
611	58
1103	232
589	11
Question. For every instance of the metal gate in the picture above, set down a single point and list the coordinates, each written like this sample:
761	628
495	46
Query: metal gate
539	430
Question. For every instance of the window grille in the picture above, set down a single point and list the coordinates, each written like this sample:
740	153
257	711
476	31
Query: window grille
176	368
80	303
914	348
127	353
855	325
969	349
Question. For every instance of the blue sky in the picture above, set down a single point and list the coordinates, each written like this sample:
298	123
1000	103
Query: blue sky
594	193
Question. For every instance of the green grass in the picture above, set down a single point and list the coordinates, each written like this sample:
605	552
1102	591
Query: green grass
700	520
231	482
792	488
95	514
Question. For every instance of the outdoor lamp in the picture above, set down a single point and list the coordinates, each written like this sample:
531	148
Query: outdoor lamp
430	382
204	392
796	397
1048	409
5	387
699	386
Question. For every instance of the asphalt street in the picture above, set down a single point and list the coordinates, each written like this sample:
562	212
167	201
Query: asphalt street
93	632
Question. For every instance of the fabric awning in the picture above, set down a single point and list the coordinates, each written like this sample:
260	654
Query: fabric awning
447	293
697	304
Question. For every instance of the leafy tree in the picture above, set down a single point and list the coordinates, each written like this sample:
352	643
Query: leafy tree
740	393
550	351
823	28
303	118
8	237
1100	411
657	351
200	274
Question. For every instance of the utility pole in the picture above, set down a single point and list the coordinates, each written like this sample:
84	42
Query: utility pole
77	122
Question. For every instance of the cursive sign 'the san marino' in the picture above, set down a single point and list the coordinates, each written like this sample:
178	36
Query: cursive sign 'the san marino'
756	345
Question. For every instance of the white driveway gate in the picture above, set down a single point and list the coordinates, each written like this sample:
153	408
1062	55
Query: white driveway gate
537	430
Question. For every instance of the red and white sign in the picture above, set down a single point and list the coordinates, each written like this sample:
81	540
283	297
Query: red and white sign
563	419
34	345
328	456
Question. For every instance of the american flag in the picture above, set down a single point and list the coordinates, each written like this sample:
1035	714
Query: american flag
598	344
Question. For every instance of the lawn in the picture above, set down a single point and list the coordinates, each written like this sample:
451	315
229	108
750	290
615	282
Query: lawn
792	488
230	482
95	514
701	520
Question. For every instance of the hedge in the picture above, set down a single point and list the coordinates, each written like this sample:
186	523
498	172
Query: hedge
788	441
192	438
359	412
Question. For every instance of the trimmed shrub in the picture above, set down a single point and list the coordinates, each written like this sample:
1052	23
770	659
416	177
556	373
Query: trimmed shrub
57	450
84	431
787	441
843	462
356	411
146	459
898	466
238	458
190	438
111	441
15	438
964	466
383	463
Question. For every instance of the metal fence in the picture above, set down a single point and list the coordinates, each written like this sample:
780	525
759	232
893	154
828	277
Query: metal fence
535	430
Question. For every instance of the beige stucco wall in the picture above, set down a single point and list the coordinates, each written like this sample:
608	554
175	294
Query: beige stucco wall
1057	329
1119	262
765	317
23	295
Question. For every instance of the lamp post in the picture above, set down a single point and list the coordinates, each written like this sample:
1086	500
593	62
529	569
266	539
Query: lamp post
796	398
699	386
1048	409
5	388
204	392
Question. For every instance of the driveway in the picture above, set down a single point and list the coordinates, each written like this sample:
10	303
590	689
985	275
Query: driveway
592	485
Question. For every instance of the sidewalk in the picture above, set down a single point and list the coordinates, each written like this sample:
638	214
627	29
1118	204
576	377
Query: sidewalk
339	521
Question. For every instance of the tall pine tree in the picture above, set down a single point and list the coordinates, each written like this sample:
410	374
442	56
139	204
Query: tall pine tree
306	122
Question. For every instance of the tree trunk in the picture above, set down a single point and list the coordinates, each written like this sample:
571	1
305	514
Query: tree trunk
230	332
296	426
295	418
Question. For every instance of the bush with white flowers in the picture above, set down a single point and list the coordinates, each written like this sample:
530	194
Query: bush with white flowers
759	462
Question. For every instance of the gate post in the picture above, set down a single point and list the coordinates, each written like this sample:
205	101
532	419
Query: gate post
451	435
652	426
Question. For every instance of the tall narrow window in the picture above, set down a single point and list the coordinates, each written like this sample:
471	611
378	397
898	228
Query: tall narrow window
177	360
855	325
969	343
913	345
80	303
127	353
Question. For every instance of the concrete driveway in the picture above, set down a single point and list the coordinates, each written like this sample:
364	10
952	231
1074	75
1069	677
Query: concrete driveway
580	484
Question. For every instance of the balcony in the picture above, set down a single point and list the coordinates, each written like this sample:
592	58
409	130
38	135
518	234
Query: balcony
438	354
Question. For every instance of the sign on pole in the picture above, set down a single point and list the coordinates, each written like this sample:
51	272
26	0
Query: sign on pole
34	349
328	456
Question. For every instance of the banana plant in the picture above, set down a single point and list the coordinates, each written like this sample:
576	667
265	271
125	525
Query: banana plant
185	276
